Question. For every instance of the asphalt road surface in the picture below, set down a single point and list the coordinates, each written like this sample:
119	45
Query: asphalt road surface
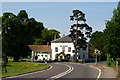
61	70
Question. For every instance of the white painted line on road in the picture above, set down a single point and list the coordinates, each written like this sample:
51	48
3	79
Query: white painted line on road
29	73
98	70
63	73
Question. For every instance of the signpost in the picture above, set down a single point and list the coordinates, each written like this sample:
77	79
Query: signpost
96	52
32	56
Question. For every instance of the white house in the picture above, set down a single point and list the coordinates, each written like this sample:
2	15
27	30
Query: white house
43	52
63	47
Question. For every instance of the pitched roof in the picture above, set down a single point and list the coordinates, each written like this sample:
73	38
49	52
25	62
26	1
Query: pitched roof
40	48
64	39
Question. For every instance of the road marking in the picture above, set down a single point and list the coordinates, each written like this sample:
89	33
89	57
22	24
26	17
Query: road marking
29	73
63	73
98	70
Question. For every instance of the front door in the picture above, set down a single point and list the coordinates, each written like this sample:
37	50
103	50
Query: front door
61	57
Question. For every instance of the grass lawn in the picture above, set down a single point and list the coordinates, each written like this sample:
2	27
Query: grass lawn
14	68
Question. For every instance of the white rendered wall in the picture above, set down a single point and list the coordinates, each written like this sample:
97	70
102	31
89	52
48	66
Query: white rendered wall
60	45
40	57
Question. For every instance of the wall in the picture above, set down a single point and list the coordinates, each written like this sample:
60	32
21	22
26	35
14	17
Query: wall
43	55
60	46
83	54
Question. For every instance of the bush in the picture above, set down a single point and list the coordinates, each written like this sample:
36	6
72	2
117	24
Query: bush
112	64
118	62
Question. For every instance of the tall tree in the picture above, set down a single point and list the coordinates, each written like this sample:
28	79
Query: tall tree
18	32
77	34
112	33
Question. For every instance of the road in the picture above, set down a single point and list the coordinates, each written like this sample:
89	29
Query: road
62	70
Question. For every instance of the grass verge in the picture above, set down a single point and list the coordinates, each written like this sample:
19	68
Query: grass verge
14	68
76	62
112	64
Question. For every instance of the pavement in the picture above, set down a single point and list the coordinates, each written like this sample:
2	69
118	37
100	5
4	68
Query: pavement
107	72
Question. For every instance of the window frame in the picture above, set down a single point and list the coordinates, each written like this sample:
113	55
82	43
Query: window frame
69	49
56	49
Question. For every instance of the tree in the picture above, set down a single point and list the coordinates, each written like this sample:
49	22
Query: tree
112	33
97	41
77	34
47	36
18	31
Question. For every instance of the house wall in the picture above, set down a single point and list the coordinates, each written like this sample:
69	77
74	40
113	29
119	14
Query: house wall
60	48
42	56
82	53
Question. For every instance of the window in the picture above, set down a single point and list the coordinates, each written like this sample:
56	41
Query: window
56	49
63	49
79	57
69	49
42	55
83	55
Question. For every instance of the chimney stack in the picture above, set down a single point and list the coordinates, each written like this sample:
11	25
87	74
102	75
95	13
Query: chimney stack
63	35
55	37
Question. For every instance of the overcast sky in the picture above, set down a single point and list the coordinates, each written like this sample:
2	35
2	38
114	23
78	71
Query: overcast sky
55	15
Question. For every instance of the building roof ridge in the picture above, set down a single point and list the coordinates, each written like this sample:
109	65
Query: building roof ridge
63	39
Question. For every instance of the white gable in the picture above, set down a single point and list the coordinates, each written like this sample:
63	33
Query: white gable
65	44
60	47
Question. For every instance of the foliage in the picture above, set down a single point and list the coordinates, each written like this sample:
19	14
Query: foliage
78	36
109	40
108	59
112	33
47	36
15	68
97	41
112	64
18	31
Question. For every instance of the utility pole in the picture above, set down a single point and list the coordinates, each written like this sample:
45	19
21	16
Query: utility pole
96	60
